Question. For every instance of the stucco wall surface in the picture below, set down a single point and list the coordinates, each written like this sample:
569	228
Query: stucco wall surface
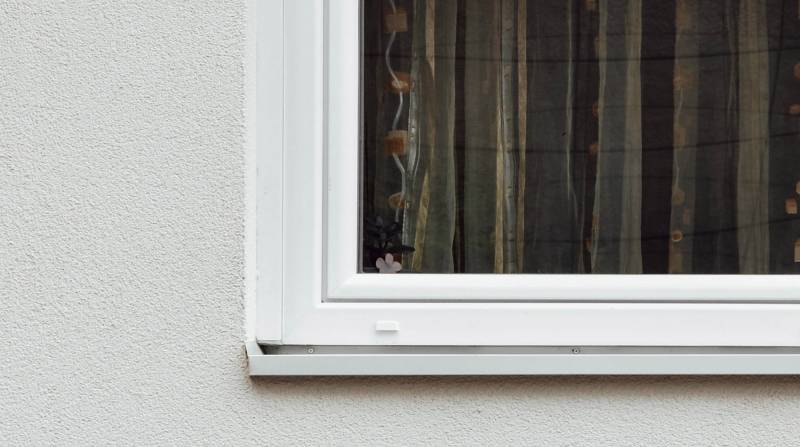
123	155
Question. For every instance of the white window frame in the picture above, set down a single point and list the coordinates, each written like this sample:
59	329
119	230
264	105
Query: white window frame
310	294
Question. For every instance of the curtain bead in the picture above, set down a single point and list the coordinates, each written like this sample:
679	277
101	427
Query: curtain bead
403	84
395	22
396	142
396	201
791	206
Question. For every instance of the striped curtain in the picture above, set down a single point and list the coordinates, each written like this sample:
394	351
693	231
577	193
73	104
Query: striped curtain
583	136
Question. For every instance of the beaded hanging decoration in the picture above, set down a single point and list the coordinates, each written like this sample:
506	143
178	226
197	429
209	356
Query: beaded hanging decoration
396	141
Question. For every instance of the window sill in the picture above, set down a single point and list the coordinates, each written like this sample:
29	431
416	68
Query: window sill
270	360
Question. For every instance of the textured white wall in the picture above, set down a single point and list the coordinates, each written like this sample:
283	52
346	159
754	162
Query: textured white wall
122	159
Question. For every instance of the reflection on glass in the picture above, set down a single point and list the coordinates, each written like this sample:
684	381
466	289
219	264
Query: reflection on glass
583	136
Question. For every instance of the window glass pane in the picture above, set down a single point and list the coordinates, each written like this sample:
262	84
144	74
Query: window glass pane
581	136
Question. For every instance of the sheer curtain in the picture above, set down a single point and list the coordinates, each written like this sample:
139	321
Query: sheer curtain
589	136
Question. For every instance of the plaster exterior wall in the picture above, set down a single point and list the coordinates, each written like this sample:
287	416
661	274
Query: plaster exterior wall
123	158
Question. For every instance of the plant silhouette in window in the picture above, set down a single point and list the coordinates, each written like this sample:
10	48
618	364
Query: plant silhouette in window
388	264
383	248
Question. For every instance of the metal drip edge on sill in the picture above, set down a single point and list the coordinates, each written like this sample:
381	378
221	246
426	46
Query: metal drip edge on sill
280	360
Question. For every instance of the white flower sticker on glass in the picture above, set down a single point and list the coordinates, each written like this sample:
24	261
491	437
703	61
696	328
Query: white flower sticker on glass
388	264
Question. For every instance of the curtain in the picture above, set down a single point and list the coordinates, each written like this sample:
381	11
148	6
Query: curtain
617	206
584	136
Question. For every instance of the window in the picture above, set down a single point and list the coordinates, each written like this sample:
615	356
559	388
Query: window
608	180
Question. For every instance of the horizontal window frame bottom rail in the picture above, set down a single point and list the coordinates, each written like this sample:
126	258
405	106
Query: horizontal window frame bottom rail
279	360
